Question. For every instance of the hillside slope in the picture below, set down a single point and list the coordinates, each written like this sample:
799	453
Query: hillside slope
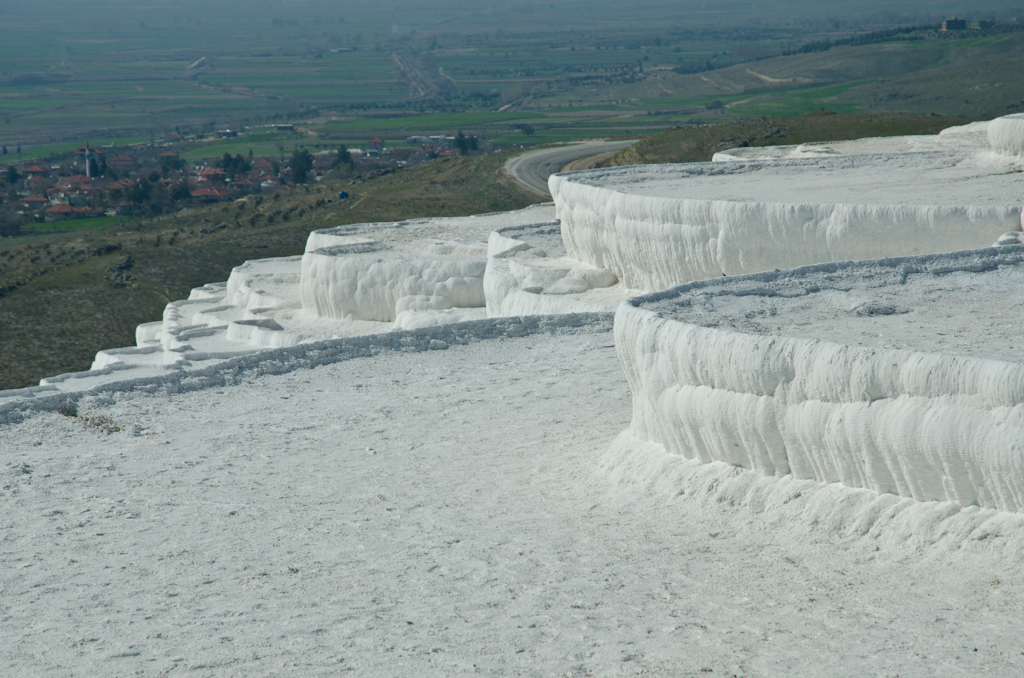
975	77
699	143
63	297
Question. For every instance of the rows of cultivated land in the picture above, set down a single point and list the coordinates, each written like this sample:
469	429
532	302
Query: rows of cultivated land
587	71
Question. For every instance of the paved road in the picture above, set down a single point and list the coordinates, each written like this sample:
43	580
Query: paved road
533	169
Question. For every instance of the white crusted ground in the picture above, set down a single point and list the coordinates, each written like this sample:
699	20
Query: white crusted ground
923	307
404	515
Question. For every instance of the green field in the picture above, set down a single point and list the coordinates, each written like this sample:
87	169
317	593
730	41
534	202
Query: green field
572	69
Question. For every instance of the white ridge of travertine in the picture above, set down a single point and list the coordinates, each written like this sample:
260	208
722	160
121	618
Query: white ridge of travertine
260	306
965	139
931	426
626	220
348	275
961	140
979	127
780	207
991	142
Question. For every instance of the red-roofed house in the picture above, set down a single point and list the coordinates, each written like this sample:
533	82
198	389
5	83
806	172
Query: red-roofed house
37	171
36	202
60	212
91	150
246	185
210	195
121	185
123	162
212	175
38	185
376	144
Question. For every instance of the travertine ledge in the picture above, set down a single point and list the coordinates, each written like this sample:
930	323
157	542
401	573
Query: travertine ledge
929	426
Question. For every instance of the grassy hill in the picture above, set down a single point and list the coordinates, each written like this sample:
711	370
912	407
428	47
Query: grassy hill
700	143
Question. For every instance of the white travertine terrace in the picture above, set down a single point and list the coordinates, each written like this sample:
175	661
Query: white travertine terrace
852	373
709	382
353	280
963	139
826	456
664	225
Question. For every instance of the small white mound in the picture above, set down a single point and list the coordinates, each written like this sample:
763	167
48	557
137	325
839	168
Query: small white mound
528	274
1006	134
419	319
380	285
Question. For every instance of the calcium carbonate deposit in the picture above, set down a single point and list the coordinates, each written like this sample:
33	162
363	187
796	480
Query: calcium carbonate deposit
931	426
663	426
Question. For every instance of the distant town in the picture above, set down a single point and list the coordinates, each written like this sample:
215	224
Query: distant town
153	178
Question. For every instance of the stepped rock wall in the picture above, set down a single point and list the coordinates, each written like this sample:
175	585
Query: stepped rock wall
923	425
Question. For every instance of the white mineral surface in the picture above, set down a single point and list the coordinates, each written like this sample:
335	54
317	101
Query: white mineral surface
419	448
964	305
457	512
964	139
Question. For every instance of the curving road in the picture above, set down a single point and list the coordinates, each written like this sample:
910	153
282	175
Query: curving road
532	170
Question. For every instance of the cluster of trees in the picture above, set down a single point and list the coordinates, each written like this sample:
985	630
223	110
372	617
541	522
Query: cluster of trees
301	164
465	144
152	195
234	166
10	221
168	165
903	32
